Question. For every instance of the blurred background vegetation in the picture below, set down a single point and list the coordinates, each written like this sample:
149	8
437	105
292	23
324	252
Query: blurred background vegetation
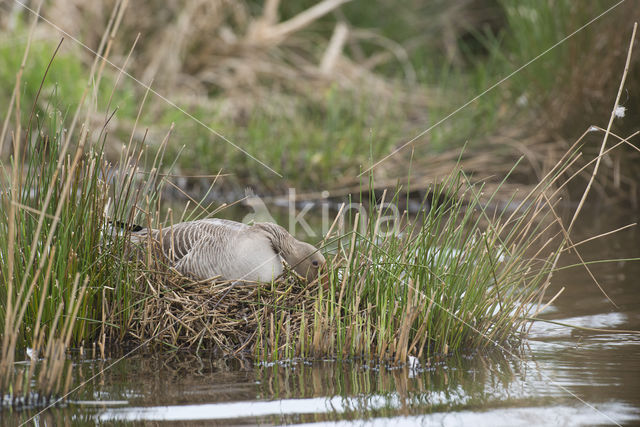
321	90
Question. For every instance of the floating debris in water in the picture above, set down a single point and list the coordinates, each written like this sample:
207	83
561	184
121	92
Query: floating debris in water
620	111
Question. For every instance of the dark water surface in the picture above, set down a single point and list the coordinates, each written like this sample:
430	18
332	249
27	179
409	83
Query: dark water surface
561	376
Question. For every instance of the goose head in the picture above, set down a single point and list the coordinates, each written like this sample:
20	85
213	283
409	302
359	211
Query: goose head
304	258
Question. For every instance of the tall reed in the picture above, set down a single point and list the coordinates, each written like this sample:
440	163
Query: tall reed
67	277
463	276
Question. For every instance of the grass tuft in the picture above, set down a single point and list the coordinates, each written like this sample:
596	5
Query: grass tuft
461	277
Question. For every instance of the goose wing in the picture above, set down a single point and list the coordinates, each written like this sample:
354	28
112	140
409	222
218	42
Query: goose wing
215	247
178	240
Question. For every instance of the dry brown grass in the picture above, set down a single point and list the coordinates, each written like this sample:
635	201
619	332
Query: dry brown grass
229	317
197	48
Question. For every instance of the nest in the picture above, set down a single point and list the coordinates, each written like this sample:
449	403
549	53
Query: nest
230	317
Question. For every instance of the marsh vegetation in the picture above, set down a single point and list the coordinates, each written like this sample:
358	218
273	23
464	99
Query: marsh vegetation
262	105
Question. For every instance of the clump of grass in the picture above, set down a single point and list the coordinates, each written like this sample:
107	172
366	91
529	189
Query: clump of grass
62	202
66	279
64	275
463	276
458	278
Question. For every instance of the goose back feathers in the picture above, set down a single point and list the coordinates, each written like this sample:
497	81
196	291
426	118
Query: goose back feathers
230	250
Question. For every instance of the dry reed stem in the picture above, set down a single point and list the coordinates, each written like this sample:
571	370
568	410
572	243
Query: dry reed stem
593	174
10	329
90	81
601	235
50	377
118	77
334	49
606	136
262	32
568	241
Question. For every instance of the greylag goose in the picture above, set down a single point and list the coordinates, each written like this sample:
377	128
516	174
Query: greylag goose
230	250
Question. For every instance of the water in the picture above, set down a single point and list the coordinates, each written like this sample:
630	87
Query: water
560	376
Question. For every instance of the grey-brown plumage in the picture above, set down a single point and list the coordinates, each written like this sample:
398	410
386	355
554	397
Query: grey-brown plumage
230	250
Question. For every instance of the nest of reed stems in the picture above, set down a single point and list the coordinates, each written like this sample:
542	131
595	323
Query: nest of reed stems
225	316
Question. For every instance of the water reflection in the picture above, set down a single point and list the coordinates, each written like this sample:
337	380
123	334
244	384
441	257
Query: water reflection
321	390
234	391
